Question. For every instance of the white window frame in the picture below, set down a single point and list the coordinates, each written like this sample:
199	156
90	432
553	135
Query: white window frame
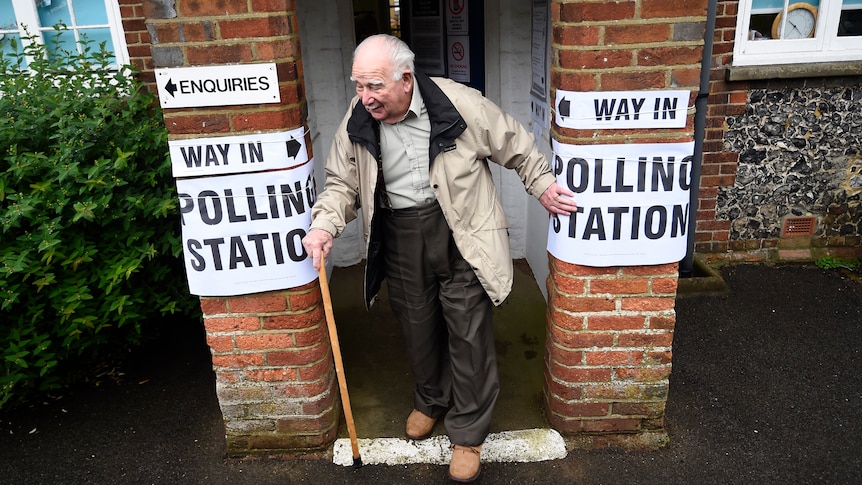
27	15
826	46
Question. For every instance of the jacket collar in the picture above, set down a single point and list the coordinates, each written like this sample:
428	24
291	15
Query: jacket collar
441	111
446	121
362	128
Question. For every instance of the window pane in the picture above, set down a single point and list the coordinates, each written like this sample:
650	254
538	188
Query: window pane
90	12
6	41
768	20
799	23
60	39
52	12
395	18
850	23
7	16
96	38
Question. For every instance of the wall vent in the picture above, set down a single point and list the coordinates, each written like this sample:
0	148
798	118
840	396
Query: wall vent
799	226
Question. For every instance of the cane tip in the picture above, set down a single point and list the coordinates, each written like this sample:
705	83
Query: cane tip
357	462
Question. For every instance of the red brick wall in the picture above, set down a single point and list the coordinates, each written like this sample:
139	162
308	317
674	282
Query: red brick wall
610	330
719	166
608	356
275	378
137	38
274	372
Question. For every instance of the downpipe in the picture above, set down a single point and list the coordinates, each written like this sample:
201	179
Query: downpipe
686	266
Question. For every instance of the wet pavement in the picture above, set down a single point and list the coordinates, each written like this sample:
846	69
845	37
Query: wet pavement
766	388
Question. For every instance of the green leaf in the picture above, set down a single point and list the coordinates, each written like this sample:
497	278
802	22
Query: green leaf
84	210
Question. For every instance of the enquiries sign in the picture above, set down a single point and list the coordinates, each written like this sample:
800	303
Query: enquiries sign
191	87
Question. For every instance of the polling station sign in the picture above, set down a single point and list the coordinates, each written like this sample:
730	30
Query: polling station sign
243	233
237	154
224	85
633	203
621	109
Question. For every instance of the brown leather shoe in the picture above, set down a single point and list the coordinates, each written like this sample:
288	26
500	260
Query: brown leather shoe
464	466
419	426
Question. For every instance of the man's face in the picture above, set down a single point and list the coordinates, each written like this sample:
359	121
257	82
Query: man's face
386	100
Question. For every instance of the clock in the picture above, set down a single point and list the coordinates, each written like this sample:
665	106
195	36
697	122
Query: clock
801	20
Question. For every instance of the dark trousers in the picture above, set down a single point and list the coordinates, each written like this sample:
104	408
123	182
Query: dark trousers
447	321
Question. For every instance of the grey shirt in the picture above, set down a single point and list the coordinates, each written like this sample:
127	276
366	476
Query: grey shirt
405	156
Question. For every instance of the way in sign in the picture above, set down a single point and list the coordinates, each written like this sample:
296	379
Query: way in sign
622	109
630	108
219	154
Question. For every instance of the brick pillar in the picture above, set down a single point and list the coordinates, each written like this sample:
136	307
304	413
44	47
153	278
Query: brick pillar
608	357
275	379
610	330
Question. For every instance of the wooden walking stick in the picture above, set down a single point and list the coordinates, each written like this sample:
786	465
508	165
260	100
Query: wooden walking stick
339	365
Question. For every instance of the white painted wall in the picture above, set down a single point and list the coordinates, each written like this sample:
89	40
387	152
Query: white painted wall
326	31
528	220
327	38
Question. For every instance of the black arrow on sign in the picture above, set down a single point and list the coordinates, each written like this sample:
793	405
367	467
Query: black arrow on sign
170	87
565	108
293	147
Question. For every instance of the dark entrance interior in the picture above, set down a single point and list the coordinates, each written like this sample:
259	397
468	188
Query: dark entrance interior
448	36
378	375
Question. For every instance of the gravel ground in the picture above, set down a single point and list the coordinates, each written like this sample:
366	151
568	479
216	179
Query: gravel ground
765	388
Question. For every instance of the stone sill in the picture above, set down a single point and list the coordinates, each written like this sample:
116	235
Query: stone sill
705	281
791	71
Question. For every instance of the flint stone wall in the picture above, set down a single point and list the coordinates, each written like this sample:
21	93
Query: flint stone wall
800	154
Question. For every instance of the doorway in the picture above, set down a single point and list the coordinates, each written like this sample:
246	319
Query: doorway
447	36
378	374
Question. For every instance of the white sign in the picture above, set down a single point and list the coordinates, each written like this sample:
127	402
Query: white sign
459	58
633	203
621	109
228	85
238	154
243	233
538	111
539	63
457	19
426	37
539	51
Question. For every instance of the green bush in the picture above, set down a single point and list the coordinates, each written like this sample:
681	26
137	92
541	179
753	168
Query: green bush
90	249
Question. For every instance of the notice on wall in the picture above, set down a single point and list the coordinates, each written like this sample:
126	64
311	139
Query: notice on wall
243	233
539	49
426	37
633	203
539	63
227	85
238	154
459	58
457	19
621	109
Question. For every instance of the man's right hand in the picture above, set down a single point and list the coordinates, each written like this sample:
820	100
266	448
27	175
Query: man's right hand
317	243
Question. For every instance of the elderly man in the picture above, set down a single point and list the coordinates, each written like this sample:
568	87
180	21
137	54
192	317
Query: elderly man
413	153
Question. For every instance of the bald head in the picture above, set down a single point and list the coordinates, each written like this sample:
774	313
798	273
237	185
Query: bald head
396	50
383	74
